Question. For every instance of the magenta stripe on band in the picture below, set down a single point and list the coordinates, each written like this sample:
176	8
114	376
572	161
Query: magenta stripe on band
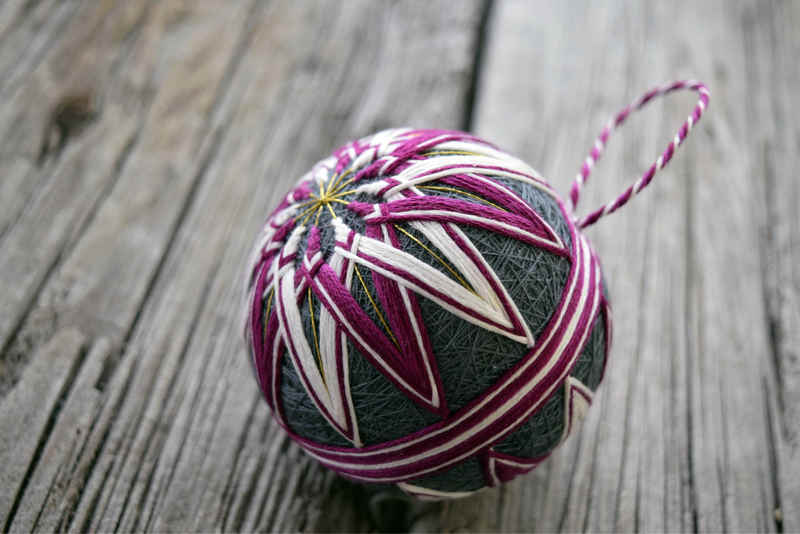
370	469
444	211
456	206
376	263
589	291
370	341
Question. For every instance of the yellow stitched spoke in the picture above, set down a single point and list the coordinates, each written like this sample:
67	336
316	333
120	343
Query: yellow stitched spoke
338	200
316	339
460	192
308	213
312	207
375	306
432	253
342	185
319	212
343	194
303	216
269	300
307	203
317	209
450	153
333	213
269	307
332	185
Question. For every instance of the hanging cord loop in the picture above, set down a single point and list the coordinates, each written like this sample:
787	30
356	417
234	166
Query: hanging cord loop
660	163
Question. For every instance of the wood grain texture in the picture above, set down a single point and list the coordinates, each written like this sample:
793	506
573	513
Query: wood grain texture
124	252
693	428
126	401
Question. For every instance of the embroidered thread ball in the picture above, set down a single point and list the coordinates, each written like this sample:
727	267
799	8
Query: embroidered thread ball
424	310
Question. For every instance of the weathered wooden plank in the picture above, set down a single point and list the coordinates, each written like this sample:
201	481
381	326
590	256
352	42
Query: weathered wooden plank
53	221
27	31
27	411
121	256
219	465
770	50
78	46
661	450
46	495
178	437
57	199
193	81
586	482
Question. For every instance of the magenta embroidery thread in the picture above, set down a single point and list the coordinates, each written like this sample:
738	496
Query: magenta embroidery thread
401	230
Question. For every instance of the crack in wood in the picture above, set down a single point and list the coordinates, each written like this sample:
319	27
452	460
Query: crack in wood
82	350
692	320
479	48
61	253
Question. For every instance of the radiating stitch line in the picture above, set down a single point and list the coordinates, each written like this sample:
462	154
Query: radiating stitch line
375	307
333	185
438	258
307	214
306	203
269	308
343	193
450	153
316	339
460	192
333	213
343	185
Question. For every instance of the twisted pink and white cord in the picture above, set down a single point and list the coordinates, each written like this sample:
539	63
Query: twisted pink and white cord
660	163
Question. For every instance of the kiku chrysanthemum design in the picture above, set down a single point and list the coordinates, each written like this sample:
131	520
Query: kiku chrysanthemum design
423	310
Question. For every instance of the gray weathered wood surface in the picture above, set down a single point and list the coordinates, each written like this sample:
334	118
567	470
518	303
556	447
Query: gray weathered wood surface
126	400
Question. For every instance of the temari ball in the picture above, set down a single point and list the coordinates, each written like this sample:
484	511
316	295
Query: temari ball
423	310
424	313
